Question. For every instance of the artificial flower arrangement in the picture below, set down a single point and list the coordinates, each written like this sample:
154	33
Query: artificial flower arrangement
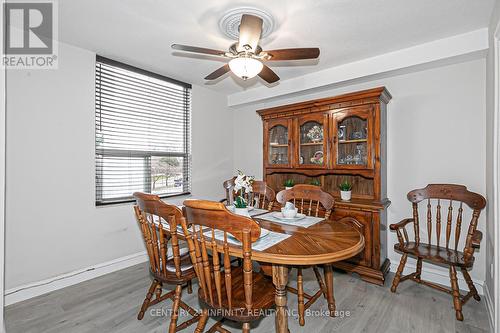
315	134
242	185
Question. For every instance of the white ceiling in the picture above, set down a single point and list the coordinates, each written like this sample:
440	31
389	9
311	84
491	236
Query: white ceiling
140	32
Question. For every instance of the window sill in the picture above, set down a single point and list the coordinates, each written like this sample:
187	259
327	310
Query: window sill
172	199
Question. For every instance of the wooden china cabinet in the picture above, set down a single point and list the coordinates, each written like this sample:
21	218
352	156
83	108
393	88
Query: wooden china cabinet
328	141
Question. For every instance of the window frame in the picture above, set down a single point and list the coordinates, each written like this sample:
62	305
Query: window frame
146	155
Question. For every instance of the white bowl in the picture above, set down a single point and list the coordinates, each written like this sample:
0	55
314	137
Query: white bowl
289	213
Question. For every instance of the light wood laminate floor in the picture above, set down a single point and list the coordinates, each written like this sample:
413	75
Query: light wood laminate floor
110	304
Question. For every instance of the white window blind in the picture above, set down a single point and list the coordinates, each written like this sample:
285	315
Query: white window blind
142	133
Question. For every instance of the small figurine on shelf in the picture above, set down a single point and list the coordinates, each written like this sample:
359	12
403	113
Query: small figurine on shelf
289	184
341	133
345	190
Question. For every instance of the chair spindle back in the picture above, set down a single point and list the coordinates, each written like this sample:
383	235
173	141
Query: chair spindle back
262	196
445	196
229	189
207	220
154	216
309	199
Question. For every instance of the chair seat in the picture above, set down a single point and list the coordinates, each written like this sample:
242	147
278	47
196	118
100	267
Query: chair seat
434	254
187	269
262	297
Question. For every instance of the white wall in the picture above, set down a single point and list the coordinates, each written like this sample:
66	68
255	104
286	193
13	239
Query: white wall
492	128
436	126
53	226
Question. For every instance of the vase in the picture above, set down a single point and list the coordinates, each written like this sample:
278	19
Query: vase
345	195
242	211
288	187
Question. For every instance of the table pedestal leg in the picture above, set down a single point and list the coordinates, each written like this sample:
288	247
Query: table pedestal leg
329	289
280	280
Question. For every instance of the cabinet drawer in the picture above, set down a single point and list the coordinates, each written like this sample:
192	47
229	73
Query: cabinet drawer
363	223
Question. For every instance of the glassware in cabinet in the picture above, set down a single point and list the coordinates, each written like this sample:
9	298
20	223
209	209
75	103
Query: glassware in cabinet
313	138
278	144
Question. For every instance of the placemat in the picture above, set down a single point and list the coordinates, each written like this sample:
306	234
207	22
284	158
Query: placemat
260	244
305	222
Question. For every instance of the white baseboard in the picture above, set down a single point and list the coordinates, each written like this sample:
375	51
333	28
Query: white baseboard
490	307
34	289
433	274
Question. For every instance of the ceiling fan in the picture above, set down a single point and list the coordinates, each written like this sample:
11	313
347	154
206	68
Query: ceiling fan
247	57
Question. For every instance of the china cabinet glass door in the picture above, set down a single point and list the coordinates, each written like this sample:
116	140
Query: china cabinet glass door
312	131
353	139
278	143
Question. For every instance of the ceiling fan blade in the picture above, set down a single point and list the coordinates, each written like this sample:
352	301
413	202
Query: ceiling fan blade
250	30
268	75
218	72
196	49
293	54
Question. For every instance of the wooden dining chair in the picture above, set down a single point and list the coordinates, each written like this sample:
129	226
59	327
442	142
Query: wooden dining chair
437	249
235	293
228	186
262	196
169	264
310	200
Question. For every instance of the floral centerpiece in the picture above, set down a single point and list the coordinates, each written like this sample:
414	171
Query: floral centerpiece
242	185
315	134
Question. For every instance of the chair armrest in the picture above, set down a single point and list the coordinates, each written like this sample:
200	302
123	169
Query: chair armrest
476	238
401	224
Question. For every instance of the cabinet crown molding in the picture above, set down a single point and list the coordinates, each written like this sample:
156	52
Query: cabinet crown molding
370	96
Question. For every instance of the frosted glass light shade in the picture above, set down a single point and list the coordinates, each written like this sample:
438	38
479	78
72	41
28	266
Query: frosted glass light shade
245	68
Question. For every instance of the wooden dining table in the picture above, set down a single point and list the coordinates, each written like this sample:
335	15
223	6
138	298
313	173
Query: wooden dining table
323	243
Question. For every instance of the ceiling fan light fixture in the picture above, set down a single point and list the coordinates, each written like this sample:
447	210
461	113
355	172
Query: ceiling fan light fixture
245	67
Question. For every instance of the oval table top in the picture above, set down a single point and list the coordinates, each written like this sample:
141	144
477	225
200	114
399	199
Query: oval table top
324	242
